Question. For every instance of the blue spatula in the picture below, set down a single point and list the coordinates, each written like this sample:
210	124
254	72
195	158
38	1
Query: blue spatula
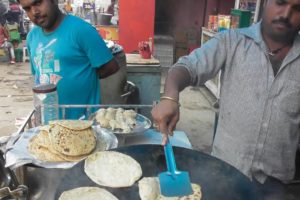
173	182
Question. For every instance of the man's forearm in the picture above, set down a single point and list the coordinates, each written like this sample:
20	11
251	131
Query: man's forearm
177	79
108	69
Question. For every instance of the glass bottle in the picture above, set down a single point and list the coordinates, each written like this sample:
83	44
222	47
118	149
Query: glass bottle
45	103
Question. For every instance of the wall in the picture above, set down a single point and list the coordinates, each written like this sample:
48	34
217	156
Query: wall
178	14
175	14
137	17
225	6
189	13
136	22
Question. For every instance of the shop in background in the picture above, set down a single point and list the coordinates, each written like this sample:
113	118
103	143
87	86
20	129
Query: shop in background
103	14
238	19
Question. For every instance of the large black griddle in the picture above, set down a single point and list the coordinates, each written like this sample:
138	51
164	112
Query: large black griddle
218	180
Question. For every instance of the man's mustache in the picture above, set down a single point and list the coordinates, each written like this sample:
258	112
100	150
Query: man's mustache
284	21
37	17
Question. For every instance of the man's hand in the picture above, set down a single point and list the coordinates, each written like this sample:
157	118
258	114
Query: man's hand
166	113
165	117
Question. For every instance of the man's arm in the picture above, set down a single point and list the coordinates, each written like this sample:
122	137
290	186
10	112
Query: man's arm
166	113
108	69
195	69
177	79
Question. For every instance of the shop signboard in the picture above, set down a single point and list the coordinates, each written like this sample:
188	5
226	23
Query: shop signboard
88	6
109	32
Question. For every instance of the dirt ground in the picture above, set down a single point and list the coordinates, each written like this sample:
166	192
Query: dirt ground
15	96
16	100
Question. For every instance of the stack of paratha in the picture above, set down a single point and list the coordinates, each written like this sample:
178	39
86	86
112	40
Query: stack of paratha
63	140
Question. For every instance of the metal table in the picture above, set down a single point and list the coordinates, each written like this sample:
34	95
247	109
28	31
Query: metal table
146	75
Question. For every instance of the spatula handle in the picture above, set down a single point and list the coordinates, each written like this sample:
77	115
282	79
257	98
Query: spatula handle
170	159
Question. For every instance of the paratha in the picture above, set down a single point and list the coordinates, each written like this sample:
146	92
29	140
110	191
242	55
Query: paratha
45	128
57	143
87	193
112	169
72	158
42	138
73	124
40	147
149	190
42	153
72	142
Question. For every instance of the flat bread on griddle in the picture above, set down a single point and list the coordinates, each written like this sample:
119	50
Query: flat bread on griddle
87	193
72	142
149	190
112	169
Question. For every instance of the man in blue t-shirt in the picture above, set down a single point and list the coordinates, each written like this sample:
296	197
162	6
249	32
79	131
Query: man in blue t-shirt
67	51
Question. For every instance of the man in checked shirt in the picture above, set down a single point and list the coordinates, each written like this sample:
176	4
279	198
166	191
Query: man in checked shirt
259	116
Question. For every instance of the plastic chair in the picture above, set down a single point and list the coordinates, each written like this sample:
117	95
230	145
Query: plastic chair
25	54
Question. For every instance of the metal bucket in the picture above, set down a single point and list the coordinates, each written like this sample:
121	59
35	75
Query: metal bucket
113	87
103	18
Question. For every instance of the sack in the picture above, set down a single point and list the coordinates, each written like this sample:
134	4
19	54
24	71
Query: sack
12	27
2	52
3	8
14	36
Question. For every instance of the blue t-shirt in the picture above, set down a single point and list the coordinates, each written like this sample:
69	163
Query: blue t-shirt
69	57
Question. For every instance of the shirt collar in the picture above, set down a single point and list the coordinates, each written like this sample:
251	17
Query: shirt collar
254	32
297	44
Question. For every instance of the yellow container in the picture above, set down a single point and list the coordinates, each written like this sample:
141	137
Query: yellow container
2	52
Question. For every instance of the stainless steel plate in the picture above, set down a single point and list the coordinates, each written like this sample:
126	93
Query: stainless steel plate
19	154
143	124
